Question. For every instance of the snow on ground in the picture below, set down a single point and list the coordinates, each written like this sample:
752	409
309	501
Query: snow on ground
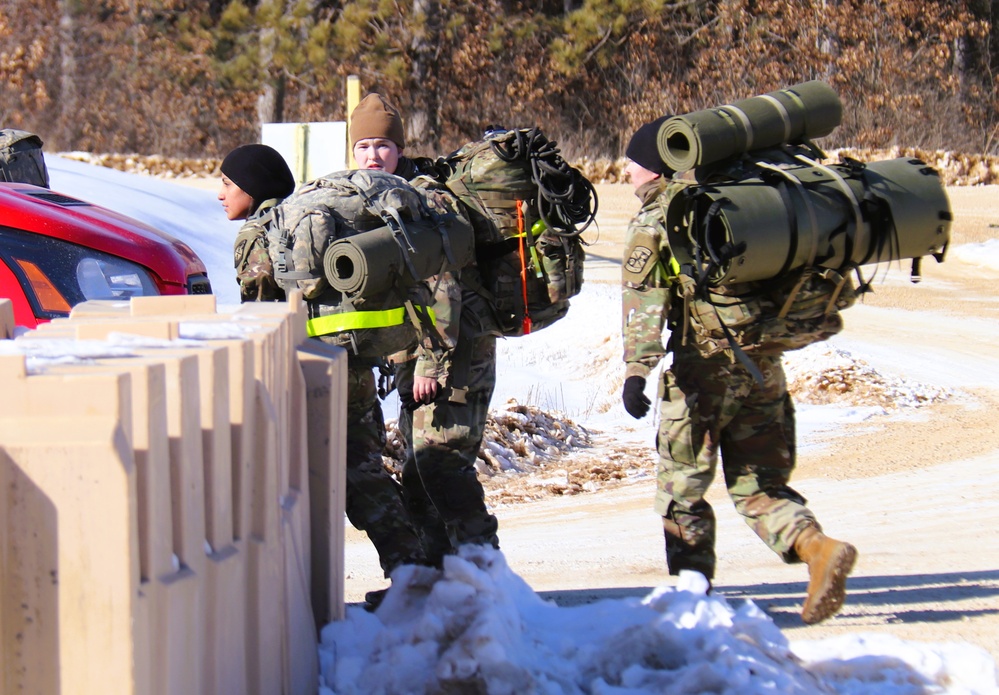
985	254
475	626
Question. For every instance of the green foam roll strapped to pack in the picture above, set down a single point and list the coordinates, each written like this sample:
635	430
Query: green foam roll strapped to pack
370	262
800	112
804	214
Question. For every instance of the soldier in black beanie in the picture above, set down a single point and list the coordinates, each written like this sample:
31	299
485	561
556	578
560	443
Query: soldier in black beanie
255	178
643	148
251	175
713	410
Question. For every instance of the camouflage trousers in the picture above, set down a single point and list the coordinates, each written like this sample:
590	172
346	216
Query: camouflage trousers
445	498
711	406
374	498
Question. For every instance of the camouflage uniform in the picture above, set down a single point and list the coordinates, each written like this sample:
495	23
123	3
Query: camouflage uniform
707	405
443	491
373	497
254	269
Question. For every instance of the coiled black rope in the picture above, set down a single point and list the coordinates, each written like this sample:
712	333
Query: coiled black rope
567	201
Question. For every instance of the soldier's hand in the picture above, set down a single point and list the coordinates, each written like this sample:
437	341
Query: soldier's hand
424	389
406	399
635	401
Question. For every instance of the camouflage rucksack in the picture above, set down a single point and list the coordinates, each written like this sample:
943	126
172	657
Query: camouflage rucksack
797	310
21	158
528	208
360	244
791	310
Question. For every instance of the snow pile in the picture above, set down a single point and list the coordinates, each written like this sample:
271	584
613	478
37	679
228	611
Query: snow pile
528	453
476	627
821	374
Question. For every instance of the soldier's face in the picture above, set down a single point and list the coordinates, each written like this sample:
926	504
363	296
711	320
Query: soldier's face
236	202
377	153
638	174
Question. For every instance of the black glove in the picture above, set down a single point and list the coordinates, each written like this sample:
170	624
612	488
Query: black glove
635	401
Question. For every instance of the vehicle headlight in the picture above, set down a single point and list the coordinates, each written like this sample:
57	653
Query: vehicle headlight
57	275
111	279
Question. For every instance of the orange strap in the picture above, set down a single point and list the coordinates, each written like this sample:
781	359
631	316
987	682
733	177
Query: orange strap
522	235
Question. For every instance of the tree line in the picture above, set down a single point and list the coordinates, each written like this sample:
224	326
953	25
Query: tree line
198	77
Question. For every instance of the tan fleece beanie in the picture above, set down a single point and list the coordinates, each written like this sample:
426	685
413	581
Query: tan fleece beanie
376	118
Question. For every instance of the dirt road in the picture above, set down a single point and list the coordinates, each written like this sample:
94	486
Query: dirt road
918	494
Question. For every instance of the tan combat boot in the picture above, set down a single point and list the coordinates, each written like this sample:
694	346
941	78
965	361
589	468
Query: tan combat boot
829	563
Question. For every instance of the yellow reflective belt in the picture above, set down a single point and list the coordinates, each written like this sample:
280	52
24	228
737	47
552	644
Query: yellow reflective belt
355	320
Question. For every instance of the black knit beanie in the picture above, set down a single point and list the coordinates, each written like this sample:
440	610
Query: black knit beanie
259	170
643	149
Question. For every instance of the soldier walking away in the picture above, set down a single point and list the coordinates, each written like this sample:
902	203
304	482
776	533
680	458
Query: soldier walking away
445	402
710	405
374	501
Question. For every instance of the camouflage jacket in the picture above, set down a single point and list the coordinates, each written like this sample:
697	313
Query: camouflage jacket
254	269
461	314
647	279
460	311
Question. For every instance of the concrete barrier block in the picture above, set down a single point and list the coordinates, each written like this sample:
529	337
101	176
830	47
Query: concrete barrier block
226	662
13	369
100	308
266	609
69	545
56	328
242	395
324	368
213	368
179	611
224	441
82	395
150	448
173	305
301	657
302	665
100	330
213	557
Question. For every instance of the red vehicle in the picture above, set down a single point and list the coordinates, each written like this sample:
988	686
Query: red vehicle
57	251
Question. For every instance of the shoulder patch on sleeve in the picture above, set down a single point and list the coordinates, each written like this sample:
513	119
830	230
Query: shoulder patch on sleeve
238	255
638	260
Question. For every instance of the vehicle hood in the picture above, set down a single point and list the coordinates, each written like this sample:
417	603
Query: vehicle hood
54	214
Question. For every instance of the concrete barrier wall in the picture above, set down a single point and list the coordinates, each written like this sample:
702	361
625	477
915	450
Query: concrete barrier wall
172	480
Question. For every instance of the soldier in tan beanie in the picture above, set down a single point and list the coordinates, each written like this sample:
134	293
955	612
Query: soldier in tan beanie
374	500
444	497
377	135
